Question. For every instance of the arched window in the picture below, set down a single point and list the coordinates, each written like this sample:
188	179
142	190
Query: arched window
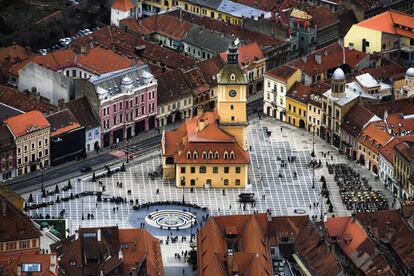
232	155
204	155
226	155
232	77
210	155
188	154
195	155
216	155
202	169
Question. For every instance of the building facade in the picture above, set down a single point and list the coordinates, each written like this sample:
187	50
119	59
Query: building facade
7	154
210	149
125	103
31	132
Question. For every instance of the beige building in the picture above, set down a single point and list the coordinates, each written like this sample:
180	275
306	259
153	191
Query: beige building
31	132
314	117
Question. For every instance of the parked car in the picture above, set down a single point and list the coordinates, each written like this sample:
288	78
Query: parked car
43	52
86	169
247	198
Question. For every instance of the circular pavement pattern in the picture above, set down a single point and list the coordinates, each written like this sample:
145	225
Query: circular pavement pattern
171	219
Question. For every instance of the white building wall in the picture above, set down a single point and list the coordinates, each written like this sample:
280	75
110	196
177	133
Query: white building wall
117	15
91	137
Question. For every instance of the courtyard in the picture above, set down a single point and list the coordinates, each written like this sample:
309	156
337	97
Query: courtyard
286	190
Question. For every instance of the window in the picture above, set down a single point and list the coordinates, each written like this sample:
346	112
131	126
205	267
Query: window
182	169
216	155
232	118
19	161
188	154
204	155
231	155
23	244
34	243
114	107
226	182
238	169
195	155
231	107
215	169
114	120
11	246
192	169
202	169
226	169
32	146
40	143
192	182
226	155
237	182
210	155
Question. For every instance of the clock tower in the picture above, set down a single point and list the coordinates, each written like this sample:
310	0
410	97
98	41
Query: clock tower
232	98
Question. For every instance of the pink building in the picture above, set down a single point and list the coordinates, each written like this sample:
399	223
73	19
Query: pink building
125	102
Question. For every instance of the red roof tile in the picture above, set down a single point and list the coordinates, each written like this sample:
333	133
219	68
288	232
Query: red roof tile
389	22
323	17
166	25
283	72
123	5
92	61
47	268
15	53
20	124
23	102
248	54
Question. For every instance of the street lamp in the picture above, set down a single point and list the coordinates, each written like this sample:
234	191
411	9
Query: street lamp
83	217
182	185
313	157
42	168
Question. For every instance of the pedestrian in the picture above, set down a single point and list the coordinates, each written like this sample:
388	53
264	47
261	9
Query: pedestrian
224	192
310	206
281	129
230	206
183	271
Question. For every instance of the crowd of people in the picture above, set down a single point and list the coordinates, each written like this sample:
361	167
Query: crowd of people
355	191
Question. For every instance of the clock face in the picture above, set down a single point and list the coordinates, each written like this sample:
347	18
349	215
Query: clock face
232	93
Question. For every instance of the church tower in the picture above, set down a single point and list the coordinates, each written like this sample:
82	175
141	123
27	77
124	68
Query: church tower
232	98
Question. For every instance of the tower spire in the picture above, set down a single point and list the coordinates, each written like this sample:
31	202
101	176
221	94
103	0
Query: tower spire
232	55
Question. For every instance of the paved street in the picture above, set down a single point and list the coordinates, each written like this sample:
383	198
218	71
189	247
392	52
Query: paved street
283	195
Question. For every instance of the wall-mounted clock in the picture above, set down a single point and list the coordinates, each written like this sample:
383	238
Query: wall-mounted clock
232	93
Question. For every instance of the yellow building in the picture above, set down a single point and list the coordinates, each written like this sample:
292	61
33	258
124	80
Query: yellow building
297	105
387	34
210	149
404	168
13	197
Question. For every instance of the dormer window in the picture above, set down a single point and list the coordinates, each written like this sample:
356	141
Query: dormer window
232	155
226	155
195	155
204	155
188	154
232	77
210	155
216	155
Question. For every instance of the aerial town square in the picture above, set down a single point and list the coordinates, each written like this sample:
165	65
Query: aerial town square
217	137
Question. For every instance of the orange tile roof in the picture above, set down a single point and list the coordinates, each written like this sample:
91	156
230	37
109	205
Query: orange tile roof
92	61
211	138
387	21
15	53
10	268
123	5
62	122
331	57
21	123
248	54
374	136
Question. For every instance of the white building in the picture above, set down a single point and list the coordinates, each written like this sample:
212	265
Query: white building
122	9
408	89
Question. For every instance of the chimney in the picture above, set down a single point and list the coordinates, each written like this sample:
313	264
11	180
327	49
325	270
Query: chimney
202	123
76	235
19	270
52	267
304	59
98	234
120	255
3	207
385	116
318	58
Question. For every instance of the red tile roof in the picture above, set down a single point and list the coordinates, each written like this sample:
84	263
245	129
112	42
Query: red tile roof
15	225
210	69
323	17
374	136
389	227
15	53
92	61
212	138
392	70
389	22
47	268
134	47
20	124
331	57
251	259
165	25
283	72
62	122
302	93
123	5
23	102
406	149
248	54
403	106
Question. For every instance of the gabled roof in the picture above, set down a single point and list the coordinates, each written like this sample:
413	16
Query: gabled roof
7	111
91	61
165	25
403	106
83	113
323	17
123	5
14	225
205	39
61	122
374	136
392	22
23	102
15	53
355	120
21	125
210	69
283	72
331	57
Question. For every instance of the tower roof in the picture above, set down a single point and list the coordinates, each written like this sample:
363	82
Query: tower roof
231	72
